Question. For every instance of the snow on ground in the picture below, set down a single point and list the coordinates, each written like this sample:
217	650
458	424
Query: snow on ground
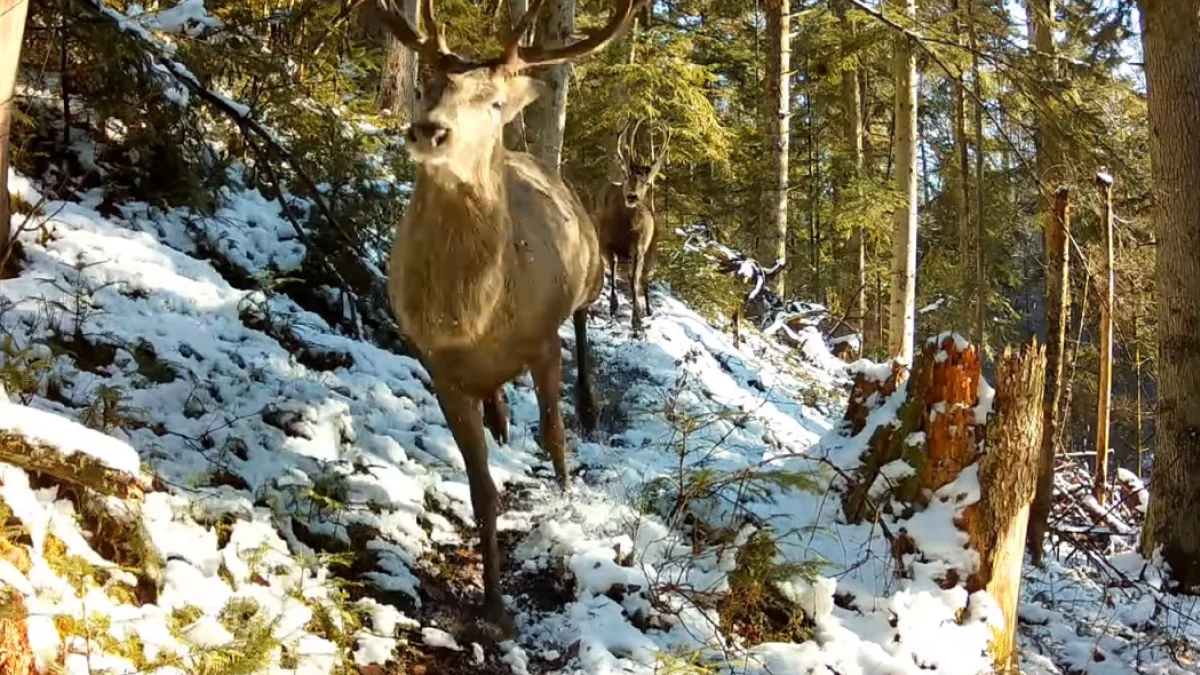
275	461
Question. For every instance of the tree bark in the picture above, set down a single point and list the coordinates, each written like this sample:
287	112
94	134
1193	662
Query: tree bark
1104	389
962	146
1171	43
12	29
547	117
777	133
398	84
1057	313
902	317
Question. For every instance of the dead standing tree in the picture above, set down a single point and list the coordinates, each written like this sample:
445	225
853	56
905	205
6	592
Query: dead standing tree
948	423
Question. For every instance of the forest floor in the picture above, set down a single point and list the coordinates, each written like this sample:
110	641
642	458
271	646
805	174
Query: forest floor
306	509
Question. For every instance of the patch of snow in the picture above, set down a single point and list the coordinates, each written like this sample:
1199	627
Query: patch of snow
436	637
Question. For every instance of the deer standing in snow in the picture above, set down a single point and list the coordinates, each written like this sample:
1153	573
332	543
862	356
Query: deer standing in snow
626	222
494	252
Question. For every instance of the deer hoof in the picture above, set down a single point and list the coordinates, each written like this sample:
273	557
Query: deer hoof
499	626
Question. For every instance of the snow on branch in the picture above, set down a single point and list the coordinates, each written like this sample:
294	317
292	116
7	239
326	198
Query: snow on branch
36	440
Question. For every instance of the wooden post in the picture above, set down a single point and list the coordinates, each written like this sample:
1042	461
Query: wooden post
12	30
1058	303
1104	393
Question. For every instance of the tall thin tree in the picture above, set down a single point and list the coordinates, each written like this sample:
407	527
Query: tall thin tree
1058	300
777	118
853	113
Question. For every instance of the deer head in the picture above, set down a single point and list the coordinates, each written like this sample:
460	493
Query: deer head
638	173
464	103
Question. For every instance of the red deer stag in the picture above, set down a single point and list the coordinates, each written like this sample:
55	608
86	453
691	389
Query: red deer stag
492	255
626	222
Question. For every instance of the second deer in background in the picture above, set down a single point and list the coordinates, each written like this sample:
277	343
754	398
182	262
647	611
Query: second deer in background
626	220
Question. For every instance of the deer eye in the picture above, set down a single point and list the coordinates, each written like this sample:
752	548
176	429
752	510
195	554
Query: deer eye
497	105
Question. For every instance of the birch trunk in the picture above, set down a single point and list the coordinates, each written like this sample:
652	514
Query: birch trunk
902	317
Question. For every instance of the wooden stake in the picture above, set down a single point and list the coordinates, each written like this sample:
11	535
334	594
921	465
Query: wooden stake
1137	379
1104	393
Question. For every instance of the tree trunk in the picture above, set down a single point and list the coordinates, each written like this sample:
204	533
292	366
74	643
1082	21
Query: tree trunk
1171	43
1058	311
852	102
1104	389
515	137
777	133
547	118
12	29
902	317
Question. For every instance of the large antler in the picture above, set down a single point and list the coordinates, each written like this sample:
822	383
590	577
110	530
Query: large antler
409	36
517	56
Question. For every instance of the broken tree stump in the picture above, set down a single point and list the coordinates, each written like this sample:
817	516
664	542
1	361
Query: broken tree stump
948	422
1008	470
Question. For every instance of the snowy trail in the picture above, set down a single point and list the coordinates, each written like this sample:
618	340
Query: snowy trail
287	466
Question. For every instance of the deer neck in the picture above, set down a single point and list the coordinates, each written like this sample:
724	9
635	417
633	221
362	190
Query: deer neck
453	249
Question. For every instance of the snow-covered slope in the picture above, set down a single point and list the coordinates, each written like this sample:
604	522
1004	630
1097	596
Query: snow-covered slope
291	460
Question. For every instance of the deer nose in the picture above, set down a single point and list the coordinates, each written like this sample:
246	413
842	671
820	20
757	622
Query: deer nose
435	134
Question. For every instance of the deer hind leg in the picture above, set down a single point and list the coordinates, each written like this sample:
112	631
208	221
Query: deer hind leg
495	415
462	414
646	292
547	382
612	289
585	394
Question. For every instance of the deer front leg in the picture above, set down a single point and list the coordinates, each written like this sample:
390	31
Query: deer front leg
462	414
495	415
612	287
635	285
585	394
646	294
547	382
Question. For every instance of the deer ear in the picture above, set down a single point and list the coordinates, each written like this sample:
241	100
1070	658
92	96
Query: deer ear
522	91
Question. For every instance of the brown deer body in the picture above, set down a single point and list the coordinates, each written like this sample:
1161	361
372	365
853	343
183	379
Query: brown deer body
627	230
494	252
